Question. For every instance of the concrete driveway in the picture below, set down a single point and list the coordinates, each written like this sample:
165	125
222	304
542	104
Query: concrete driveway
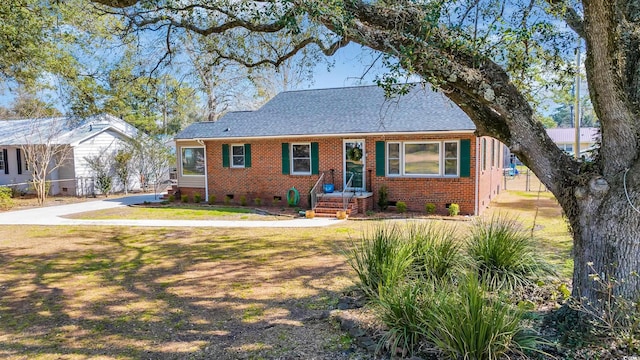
52	215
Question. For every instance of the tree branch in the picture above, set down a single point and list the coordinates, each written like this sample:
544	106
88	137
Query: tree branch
569	14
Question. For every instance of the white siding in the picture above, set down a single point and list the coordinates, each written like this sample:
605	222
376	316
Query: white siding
12	162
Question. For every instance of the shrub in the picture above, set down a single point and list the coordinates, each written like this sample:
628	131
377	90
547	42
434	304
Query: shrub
257	201
243	200
437	252
197	198
381	259
227	200
275	202
383	198
466	323
504	254
401	207
430	208
454	209
184	198
212	199
6	202
171	198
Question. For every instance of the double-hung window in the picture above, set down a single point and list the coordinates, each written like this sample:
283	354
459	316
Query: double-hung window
237	156
301	159
2	161
423	158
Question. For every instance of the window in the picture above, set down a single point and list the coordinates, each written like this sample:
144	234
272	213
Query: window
192	161
301	158
2	161
451	158
484	154
493	153
393	159
237	156
423	158
566	147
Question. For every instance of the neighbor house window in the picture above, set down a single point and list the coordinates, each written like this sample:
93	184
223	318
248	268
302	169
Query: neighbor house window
301	158
237	156
432	158
2	161
566	147
193	161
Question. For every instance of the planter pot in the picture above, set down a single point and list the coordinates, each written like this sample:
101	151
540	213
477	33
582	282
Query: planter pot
310	214
340	214
328	188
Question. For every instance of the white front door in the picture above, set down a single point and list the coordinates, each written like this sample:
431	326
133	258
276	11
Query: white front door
354	164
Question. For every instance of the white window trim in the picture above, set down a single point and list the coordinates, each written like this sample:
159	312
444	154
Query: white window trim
293	172
182	161
441	159
244	159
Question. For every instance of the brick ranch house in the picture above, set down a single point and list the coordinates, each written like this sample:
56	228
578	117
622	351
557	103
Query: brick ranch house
420	146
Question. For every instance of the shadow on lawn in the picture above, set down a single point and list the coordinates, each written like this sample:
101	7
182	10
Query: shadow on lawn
165	294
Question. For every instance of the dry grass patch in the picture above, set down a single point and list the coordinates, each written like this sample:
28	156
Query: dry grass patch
130	293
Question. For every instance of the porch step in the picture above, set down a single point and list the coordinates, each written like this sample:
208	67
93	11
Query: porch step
328	206
173	190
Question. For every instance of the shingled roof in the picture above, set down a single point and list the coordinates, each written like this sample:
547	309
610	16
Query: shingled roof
339	111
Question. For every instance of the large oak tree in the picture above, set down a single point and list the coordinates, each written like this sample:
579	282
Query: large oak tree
489	57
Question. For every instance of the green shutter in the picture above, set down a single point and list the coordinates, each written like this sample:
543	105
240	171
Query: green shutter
315	165
465	158
19	159
247	155
225	155
380	158
286	163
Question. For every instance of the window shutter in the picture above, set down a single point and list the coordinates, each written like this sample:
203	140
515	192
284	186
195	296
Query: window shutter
380	158
465	158
247	155
286	163
315	158
19	158
5	158
225	155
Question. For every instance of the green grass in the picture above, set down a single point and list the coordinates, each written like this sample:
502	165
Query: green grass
174	213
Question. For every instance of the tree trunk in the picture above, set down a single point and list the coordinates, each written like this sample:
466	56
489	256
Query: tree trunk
606	232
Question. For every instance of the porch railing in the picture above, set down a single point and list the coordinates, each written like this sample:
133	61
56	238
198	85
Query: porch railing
347	199
316	190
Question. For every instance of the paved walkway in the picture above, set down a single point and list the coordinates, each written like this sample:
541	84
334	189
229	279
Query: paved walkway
51	215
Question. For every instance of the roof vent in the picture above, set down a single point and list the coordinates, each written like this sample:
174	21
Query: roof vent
90	127
227	129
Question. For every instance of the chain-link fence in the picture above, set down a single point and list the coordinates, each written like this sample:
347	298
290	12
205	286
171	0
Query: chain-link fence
522	179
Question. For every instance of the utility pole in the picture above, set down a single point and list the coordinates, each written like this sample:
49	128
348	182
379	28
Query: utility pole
576	114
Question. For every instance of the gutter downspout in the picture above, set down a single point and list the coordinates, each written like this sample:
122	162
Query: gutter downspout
206	170
477	180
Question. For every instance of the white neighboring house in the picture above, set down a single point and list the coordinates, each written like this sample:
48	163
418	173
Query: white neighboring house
565	138
87	137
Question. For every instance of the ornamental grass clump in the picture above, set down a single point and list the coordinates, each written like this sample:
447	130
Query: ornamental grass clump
504	255
381	259
437	251
473	323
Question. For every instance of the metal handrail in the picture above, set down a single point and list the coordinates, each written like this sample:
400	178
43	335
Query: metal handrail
315	191
346	186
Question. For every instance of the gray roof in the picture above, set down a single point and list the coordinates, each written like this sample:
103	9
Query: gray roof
350	110
58	130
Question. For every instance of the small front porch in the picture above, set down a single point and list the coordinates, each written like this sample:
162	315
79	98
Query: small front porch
352	202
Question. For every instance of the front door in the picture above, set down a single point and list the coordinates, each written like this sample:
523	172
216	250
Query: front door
354	163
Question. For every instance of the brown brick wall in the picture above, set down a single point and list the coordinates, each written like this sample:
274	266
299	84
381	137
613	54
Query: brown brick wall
264	179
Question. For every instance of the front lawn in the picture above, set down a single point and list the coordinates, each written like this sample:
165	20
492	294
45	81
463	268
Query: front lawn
175	212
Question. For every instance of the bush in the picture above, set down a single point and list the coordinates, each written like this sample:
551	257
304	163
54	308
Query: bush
505	255
212	199
466	323
184	198
257	201
6	202
197	198
430	208
171	198
381	259
227	200
383	198
454	209
243	200
401	207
